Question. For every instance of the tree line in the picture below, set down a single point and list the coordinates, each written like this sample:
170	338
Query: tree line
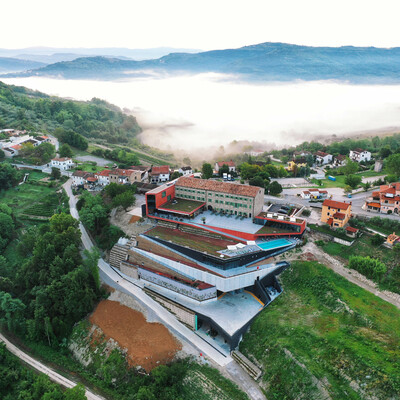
21	108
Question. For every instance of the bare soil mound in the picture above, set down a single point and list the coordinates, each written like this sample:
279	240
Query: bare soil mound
147	344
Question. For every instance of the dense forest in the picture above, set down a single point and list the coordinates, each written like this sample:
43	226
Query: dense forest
21	108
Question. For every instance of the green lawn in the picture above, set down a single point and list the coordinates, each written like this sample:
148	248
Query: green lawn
325	333
88	167
363	247
196	242
270	229
182	205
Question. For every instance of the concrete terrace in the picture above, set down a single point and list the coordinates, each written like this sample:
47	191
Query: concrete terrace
222	221
231	310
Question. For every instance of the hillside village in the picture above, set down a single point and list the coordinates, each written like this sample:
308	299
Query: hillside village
213	246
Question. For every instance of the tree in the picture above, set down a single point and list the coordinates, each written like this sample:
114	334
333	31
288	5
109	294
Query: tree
175	175
275	188
350	168
257	181
65	151
367	186
352	180
377	240
9	176
223	170
393	165
206	171
124	200
55	173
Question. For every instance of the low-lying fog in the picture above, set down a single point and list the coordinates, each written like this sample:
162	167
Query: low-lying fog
196	112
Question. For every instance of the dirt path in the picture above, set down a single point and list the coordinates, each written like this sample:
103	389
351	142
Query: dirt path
350	274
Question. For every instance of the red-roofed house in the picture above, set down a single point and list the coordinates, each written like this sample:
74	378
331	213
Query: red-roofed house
103	177
386	200
231	165
159	174
352	232
335	213
359	155
323	158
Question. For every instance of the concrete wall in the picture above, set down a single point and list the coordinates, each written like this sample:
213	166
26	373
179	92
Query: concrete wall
178	287
129	270
183	314
221	283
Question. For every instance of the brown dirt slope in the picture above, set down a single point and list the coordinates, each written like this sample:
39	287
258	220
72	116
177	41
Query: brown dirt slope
147	344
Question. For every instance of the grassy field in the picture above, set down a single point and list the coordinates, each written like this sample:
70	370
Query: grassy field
363	247
33	201
326	336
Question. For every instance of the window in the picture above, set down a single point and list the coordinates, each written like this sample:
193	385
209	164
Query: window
163	194
169	197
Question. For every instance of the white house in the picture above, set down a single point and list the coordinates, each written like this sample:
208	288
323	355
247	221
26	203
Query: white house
339	160
359	155
185	171
231	165
323	158
78	177
62	163
313	194
103	177
159	174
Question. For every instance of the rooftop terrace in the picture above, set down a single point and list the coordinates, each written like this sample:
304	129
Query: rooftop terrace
200	243
181	205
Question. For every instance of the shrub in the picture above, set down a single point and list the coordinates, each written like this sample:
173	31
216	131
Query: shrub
306	212
370	267
377	240
319	243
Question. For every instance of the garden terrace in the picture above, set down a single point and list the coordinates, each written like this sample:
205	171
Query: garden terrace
268	230
195	242
182	206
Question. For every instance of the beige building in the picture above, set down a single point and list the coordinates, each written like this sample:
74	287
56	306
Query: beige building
222	196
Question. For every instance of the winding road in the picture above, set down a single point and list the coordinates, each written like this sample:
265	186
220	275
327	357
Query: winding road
53	375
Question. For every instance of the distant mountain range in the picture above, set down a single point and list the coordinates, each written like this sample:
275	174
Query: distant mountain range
50	55
263	62
8	64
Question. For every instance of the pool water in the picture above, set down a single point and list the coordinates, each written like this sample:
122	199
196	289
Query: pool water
274	244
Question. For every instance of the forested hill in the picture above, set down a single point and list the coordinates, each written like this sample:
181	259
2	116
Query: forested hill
264	62
22	108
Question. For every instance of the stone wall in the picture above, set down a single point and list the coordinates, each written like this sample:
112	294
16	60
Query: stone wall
129	270
183	314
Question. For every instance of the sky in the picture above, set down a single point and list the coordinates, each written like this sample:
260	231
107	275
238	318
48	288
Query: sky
200	24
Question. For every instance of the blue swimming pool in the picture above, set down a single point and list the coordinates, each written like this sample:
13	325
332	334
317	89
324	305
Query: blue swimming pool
274	244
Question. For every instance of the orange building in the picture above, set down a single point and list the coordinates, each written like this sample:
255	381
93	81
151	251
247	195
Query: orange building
335	213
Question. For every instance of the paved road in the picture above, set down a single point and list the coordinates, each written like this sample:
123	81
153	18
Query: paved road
357	201
136	291
54	376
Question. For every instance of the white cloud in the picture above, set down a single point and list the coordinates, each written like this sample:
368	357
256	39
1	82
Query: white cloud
205	24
